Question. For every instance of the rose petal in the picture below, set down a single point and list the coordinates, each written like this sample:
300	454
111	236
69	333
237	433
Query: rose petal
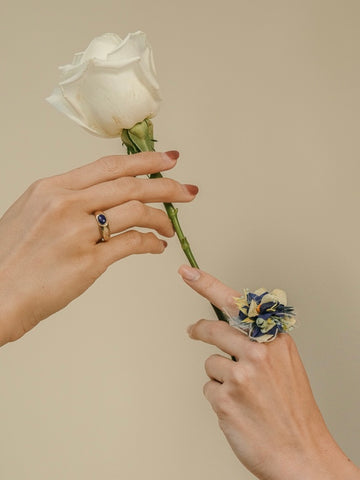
118	101
136	45
57	100
100	47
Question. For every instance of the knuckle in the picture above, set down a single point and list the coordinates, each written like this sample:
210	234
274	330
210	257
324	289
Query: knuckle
59	203
198	327
138	208
213	330
109	164
209	282
164	217
147	157
286	345
209	362
154	244
287	341
165	221
237	375
128	184
258	354
135	239
222	404
170	184
206	389
40	186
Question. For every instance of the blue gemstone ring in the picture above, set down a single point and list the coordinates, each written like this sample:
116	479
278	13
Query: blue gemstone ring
103	225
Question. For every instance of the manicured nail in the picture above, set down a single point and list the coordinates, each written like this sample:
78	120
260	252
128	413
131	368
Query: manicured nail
172	155
164	243
190	274
193	189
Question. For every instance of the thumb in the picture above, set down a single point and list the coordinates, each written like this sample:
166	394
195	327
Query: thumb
210	287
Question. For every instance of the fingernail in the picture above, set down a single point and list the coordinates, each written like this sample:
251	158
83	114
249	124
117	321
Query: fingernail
193	189
189	328
189	273
164	243
172	155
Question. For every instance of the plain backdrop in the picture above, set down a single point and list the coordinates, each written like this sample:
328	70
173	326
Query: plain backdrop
262	99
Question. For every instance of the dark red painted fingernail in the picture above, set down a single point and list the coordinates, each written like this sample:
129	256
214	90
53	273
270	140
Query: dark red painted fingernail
173	154
164	243
193	189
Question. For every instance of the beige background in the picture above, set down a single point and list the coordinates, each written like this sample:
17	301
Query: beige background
262	99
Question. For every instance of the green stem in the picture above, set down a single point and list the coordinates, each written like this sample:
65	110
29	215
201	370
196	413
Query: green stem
173	215
140	139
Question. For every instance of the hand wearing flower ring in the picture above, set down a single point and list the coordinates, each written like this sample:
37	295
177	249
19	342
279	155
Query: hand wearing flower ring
50	249
264	401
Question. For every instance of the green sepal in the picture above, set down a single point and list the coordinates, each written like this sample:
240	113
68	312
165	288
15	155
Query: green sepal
139	138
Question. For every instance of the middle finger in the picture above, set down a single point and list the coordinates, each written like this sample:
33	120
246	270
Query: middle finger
217	366
109	194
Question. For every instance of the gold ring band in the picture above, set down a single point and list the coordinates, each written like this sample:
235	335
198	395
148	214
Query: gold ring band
103	225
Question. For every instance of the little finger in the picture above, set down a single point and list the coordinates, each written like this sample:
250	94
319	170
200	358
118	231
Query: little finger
129	243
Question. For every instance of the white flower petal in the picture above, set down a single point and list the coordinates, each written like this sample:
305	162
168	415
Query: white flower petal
70	73
114	64
252	309
269	298
57	100
136	44
118	101
280	295
110	86
260	291
77	59
101	46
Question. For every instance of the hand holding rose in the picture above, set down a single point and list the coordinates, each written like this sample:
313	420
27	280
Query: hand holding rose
263	400
49	250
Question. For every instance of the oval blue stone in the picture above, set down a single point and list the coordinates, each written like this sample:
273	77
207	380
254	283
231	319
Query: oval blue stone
101	219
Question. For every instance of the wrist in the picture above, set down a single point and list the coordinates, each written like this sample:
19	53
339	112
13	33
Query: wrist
324	461
12	309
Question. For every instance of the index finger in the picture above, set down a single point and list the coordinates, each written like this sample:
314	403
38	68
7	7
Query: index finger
211	288
115	166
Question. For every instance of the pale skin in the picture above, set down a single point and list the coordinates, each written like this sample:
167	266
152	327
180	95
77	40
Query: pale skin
50	251
263	401
50	254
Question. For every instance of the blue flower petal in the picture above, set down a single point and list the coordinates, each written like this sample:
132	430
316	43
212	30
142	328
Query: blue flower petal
242	315
256	332
266	306
273	330
266	316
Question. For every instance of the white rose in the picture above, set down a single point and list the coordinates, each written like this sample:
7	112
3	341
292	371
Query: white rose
110	86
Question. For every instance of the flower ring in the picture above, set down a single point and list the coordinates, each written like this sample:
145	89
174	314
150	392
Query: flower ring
103	225
262	314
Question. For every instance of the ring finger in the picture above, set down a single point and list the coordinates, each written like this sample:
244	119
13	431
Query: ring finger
135	214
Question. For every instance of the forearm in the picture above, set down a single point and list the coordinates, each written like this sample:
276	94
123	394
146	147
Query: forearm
327	463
